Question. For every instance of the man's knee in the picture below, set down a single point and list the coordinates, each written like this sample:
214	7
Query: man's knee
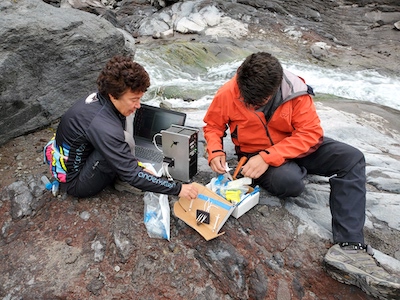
287	186
284	181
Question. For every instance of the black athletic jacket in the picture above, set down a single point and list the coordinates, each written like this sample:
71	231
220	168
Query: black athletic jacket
94	123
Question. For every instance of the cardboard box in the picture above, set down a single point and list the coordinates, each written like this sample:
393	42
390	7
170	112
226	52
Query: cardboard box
218	209
209	211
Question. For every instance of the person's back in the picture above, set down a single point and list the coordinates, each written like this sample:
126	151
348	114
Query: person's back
71	134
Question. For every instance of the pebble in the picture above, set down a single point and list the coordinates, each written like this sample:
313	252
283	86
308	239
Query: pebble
297	264
85	215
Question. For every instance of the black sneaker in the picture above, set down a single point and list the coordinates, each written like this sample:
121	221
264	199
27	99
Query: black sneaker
353	264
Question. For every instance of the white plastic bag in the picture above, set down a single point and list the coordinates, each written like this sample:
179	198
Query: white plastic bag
232	190
157	215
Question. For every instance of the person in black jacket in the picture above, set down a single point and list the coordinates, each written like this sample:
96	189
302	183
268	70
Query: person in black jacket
91	149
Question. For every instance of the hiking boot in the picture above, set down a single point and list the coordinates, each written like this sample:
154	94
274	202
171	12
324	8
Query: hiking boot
353	264
123	186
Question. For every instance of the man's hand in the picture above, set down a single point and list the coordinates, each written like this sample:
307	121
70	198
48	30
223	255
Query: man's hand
218	163
255	167
188	191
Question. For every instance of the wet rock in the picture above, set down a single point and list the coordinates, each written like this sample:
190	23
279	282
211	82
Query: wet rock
320	50
22	198
43	46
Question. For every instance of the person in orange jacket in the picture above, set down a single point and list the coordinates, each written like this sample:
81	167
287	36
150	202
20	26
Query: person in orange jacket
273	122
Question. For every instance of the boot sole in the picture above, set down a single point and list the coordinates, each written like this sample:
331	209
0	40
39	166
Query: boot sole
371	286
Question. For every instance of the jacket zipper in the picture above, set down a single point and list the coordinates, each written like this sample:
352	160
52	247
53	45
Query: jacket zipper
266	129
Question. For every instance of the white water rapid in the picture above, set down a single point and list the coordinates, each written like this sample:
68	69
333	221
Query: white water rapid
365	85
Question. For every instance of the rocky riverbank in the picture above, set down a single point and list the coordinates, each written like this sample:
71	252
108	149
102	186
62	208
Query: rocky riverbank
55	51
98	248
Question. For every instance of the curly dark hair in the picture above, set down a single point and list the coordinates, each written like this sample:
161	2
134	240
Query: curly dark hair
259	77
120	74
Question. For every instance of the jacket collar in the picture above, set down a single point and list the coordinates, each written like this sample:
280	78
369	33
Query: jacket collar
105	101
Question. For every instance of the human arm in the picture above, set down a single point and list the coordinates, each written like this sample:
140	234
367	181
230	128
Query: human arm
107	136
218	164
188	191
255	167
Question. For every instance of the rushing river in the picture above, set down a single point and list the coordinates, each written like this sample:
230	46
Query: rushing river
362	85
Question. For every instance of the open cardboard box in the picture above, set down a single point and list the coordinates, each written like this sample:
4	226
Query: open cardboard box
219	210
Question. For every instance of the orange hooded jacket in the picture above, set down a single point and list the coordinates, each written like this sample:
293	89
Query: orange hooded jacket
291	129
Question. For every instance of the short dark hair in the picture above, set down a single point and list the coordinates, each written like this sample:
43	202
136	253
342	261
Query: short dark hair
120	74
259	77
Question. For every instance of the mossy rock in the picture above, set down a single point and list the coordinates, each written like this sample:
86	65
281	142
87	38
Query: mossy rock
194	57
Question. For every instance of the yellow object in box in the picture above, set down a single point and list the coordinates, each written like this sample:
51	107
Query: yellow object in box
250	200
247	203
233	196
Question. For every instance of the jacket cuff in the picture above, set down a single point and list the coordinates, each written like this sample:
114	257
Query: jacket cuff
272	158
215	153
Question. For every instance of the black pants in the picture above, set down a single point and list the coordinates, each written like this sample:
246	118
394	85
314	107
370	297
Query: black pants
346	167
95	175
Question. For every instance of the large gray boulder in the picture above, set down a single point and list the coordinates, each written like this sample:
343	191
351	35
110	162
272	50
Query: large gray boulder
49	57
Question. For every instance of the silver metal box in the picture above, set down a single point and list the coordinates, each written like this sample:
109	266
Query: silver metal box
180	149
